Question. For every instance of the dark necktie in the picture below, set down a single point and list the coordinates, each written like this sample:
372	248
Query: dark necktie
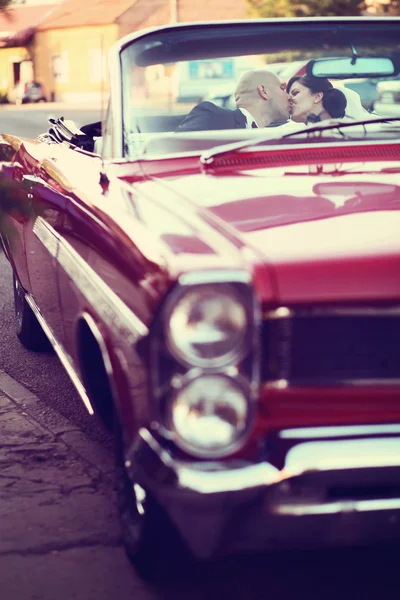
313	119
254	125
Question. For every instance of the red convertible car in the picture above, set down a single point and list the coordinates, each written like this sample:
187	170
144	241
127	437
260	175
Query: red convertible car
227	300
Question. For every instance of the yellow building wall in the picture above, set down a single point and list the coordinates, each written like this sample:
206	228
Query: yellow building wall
72	63
8	56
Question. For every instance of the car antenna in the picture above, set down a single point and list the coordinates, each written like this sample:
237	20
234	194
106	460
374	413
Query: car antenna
102	78
104	181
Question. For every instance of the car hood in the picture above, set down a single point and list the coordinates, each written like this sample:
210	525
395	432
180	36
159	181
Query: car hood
329	237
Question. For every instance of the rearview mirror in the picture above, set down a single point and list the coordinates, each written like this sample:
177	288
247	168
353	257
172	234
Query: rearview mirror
343	68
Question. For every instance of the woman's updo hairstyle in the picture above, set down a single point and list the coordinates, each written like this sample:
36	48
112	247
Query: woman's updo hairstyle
333	100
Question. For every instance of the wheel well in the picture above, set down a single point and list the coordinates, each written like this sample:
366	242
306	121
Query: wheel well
94	374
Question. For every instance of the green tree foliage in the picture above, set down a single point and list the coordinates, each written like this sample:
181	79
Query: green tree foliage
308	8
12	195
8	206
4	5
12	201
388	8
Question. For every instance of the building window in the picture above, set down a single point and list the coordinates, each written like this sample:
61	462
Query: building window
97	70
61	67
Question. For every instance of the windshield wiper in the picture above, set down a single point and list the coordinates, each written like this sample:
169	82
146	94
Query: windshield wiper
207	157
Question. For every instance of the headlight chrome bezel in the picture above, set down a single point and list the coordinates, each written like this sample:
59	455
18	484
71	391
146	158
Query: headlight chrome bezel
178	386
170	373
236	353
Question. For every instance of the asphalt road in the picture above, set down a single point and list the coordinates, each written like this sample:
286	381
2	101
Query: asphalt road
30	120
323	575
40	372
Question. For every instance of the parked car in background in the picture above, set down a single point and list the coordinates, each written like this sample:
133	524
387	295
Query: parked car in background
227	302
30	91
365	88
388	98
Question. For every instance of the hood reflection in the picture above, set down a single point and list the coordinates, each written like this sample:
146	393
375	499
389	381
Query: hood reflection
330	200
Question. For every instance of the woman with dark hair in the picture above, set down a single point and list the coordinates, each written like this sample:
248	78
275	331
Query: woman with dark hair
313	99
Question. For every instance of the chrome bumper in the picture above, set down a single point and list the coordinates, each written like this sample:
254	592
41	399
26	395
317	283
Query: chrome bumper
335	490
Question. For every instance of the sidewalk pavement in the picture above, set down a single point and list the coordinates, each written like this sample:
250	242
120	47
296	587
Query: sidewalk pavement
59	531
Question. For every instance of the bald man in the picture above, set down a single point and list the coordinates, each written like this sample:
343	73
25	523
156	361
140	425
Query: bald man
260	98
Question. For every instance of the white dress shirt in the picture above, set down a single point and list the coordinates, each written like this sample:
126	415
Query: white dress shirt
249	119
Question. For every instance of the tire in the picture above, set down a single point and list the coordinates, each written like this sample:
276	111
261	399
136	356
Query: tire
151	542
28	329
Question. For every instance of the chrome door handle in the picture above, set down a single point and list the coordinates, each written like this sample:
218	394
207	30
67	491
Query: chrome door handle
30	181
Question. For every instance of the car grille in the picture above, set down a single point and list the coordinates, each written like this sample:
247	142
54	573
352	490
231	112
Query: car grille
332	348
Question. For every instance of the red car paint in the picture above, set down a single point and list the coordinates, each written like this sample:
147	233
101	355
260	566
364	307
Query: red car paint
313	225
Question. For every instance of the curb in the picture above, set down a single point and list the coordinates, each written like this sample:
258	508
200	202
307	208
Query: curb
90	451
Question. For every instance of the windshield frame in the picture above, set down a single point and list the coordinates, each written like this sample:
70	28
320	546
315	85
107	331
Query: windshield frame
147	40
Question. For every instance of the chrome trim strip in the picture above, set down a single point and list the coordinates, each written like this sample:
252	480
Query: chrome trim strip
30	180
283	384
377	311
249	477
214	276
312	458
126	40
278	313
211	482
342	455
65	360
347	506
107	304
91	323
47	235
278	384
339	431
284	312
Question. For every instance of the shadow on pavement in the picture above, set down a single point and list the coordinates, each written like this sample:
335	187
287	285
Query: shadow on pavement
309	575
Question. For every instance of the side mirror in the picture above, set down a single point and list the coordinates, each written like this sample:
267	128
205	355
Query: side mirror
104	183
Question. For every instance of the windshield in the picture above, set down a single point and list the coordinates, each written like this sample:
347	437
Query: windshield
171	75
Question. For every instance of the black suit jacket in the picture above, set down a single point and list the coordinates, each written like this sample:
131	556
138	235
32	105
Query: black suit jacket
207	115
92	129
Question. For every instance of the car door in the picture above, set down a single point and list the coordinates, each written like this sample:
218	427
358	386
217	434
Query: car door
41	237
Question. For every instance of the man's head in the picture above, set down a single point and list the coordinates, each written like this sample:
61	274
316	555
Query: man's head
263	94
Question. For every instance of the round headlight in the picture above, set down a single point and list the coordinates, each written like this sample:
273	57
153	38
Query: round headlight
209	416
207	326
